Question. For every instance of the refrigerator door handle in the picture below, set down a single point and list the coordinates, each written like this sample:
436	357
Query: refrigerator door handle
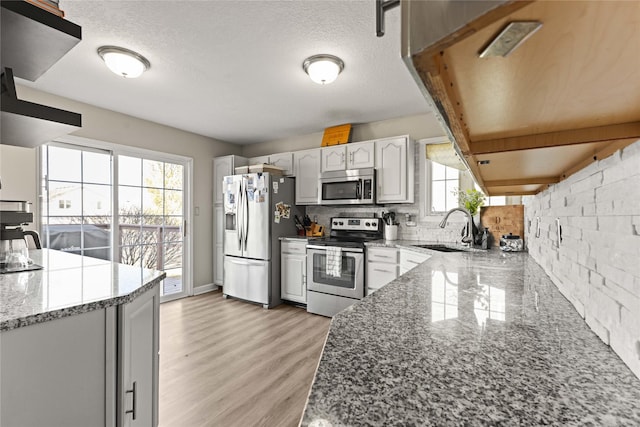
239	215
246	219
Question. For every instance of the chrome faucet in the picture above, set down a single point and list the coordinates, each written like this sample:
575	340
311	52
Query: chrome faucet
469	238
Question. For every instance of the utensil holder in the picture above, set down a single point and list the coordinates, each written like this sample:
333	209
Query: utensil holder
391	232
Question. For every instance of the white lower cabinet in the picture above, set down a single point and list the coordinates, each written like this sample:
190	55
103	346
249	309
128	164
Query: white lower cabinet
80	370
382	267
293	271
386	264
410	259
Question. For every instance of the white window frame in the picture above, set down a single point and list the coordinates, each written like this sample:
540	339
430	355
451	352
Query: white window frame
424	187
117	150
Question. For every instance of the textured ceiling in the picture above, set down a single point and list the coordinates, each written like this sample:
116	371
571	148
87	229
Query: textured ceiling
232	70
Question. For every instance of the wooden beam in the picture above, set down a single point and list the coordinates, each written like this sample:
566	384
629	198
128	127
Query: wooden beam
555	139
516	193
602	154
523	181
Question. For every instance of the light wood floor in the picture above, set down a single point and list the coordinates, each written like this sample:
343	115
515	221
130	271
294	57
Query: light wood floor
232	363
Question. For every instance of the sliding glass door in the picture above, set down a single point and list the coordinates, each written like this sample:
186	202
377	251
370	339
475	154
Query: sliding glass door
125	205
76	200
151	217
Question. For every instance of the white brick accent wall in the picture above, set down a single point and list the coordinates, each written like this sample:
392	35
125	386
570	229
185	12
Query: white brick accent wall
596	265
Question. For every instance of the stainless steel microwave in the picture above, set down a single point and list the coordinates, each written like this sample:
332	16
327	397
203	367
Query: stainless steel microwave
348	187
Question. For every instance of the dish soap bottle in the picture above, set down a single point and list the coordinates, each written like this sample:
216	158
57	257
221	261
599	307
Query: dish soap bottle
485	239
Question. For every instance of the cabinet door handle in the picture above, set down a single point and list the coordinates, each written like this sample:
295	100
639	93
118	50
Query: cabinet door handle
133	410
381	271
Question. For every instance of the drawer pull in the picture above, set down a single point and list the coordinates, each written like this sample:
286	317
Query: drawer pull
133	410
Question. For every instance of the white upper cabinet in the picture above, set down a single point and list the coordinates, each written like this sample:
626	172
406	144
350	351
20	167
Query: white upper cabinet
283	161
224	166
395	170
349	156
259	160
334	158
361	155
307	171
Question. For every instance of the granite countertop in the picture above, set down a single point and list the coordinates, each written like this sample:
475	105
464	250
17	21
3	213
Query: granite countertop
69	284
470	338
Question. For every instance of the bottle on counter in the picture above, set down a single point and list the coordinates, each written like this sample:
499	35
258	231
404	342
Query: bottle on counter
485	239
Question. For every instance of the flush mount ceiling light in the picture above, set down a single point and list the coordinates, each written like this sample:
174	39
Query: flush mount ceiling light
323	69
124	62
512	36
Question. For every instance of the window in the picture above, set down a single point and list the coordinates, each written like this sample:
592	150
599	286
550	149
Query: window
493	200
444	181
76	210
440	175
442	172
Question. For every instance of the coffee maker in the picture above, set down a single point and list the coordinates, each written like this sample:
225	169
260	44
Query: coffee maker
14	252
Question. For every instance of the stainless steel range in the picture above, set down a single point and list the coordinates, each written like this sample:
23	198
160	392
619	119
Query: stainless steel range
336	265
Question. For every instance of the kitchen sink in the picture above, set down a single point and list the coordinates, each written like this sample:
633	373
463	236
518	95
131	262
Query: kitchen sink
440	248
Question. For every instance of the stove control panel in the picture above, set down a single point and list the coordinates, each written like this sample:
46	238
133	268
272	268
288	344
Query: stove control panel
355	224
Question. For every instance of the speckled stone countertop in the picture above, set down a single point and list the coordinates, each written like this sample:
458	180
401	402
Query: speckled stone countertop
472	338
68	285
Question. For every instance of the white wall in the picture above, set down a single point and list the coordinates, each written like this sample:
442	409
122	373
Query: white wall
597	264
18	175
418	127
109	126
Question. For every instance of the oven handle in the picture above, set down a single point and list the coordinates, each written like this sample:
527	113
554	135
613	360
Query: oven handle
324	248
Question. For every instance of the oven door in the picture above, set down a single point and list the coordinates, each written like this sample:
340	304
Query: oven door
346	281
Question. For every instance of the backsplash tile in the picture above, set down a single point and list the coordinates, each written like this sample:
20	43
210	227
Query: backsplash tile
595	265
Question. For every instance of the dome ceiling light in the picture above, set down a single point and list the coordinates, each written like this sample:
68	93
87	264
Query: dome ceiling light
323	69
124	62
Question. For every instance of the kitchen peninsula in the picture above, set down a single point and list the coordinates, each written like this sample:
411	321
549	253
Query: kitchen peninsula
79	342
473	338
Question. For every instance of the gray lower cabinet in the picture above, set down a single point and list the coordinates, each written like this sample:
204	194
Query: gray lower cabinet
79	370
138	360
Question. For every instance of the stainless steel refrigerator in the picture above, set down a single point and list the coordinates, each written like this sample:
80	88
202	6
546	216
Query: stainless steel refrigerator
258	210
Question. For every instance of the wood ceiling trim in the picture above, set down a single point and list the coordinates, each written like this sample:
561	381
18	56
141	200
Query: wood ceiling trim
515	193
432	70
523	181
553	139
599	155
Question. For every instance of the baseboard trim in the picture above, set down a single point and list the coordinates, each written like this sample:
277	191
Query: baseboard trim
204	289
